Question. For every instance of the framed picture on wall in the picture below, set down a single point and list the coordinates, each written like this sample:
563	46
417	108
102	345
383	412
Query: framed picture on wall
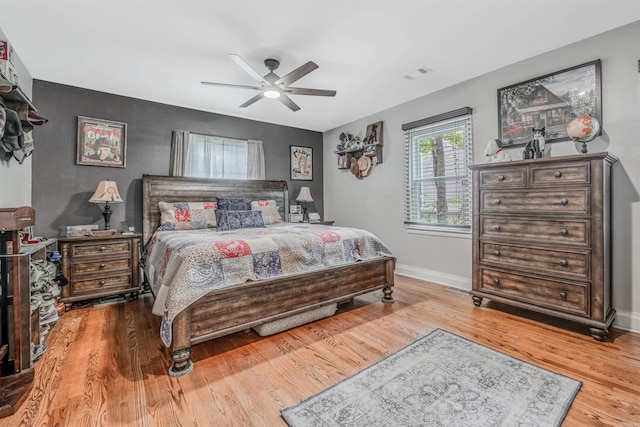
301	163
551	101
101	142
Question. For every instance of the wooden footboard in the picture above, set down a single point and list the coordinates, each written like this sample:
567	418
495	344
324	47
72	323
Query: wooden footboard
244	306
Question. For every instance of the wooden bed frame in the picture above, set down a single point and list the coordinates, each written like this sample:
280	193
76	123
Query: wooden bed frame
251	304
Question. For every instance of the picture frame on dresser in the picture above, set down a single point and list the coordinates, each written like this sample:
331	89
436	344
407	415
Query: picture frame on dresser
551	101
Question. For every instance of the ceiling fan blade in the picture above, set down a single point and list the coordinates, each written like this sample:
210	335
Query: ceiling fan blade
297	74
248	69
288	102
231	85
256	98
315	92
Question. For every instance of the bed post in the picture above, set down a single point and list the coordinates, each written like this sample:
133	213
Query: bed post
387	290
181	363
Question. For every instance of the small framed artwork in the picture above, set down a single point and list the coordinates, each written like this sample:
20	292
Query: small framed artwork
101	142
295	209
374	134
301	163
551	101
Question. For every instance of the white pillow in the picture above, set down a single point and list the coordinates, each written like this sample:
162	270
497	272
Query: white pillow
269	209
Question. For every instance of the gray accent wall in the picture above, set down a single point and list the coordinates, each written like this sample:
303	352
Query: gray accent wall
61	188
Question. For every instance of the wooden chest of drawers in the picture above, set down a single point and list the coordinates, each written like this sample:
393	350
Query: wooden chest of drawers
100	266
541	237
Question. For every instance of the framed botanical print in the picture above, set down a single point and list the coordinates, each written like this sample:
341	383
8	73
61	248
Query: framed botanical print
101	142
301	163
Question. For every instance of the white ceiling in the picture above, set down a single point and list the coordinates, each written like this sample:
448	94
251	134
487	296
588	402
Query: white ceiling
161	50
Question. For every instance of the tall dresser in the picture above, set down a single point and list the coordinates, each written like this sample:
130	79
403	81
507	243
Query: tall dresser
541	237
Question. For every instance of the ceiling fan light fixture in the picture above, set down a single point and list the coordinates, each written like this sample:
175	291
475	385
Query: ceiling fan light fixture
271	93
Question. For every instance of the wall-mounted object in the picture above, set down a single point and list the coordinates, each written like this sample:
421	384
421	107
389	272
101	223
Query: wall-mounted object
550	101
301	163
360	156
101	142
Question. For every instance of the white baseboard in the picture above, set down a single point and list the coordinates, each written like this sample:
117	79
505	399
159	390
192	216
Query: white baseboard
628	321
434	276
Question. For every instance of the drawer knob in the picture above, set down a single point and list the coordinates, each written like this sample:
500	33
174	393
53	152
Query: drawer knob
103	265
500	177
564	202
496	281
563	295
557	174
497	201
102	282
496	253
564	231
102	249
563	262
497	227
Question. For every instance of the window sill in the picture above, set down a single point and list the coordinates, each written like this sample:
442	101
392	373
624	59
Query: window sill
451	233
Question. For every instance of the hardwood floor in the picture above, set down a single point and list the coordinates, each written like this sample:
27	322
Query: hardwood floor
106	366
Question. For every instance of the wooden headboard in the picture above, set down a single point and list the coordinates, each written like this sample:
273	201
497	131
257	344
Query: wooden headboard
156	188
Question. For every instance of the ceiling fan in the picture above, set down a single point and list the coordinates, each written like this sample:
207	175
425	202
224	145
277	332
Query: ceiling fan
274	86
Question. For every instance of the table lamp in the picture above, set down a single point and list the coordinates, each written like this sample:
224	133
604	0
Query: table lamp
106	192
304	197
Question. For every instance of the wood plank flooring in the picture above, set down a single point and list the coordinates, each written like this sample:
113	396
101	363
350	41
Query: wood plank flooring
106	366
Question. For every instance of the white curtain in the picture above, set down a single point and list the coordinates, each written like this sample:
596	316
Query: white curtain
211	156
255	160
179	148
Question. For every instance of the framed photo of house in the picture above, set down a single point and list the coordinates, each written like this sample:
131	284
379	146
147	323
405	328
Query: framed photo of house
550	101
373	134
101	142
301	163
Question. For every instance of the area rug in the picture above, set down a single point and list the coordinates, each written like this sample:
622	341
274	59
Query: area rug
441	380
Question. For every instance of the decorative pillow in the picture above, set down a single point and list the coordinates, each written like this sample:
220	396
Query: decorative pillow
233	204
232	220
187	216
269	209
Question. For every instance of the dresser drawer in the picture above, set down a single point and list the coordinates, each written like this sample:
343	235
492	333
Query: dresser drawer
505	177
571	264
563	201
567	297
91	287
100	266
549	231
109	247
560	174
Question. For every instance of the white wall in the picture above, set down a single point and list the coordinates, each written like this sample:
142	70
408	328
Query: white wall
15	179
376	203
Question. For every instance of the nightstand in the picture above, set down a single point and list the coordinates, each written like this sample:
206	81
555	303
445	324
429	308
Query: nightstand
100	266
321	222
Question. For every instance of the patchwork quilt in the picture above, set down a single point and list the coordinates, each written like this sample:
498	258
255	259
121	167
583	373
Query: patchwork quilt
184	265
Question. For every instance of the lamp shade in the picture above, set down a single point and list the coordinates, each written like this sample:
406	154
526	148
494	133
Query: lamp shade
107	191
305	195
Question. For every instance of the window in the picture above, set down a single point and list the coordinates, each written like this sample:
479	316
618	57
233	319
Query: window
218	157
438	151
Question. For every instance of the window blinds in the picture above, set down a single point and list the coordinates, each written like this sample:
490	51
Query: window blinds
437	155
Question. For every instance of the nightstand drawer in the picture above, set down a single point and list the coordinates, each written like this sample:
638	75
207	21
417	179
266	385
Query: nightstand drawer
101	248
100	266
89	288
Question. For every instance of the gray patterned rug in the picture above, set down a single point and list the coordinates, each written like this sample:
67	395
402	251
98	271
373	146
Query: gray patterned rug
441	380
